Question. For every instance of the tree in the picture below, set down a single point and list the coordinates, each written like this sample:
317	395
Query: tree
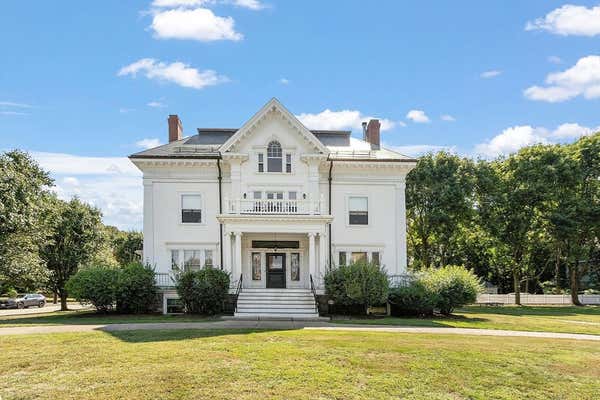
439	201
125	245
23	228
77	234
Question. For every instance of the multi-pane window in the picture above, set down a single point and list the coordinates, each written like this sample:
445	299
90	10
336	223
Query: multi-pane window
274	157
175	260
375	258
359	256
257	195
191	208
208	258
275	195
175	306
288	163
342	258
358	210
191	260
261	162
256	266
295	266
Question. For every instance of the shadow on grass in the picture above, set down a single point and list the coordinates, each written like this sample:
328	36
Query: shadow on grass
523	311
149	336
432	322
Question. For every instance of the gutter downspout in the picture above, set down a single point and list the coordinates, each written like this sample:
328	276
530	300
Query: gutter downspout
220	178
330	178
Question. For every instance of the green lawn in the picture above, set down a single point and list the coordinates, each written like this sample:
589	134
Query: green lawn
86	317
568	319
294	364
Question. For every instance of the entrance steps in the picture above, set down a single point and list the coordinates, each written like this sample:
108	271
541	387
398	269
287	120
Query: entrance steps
276	303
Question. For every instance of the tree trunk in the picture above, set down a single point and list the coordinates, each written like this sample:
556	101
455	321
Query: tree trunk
557	269
63	301
574	283
54	297
517	287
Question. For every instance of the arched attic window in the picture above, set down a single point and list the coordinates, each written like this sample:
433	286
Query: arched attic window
274	157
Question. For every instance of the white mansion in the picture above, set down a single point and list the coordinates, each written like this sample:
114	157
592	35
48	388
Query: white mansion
273	203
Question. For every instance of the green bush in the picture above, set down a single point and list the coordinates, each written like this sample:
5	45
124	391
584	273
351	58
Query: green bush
95	285
414	299
12	293
136	290
453	286
204	291
361	283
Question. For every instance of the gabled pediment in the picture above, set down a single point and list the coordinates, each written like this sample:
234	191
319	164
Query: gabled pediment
273	107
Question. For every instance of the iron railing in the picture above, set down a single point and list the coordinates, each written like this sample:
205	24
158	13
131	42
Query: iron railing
314	292
237	292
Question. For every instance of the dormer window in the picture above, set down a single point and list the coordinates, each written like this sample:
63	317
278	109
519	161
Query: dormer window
274	157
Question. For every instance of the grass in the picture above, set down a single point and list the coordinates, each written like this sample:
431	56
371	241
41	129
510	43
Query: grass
569	319
87	317
294	364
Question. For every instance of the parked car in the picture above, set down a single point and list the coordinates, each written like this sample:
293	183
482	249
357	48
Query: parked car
7	303
31	299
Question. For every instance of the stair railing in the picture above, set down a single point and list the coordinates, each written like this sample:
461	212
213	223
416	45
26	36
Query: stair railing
237	291
314	292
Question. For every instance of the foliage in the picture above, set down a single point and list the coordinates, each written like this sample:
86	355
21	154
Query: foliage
413	299
125	245
23	224
453	286
360	283
95	285
12	293
203	291
75	238
136	290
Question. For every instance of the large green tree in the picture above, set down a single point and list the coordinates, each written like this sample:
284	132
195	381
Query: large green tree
77	234
24	194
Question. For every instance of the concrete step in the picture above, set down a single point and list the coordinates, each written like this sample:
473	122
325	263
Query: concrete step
291	290
285	306
277	301
276	298
264	310
280	316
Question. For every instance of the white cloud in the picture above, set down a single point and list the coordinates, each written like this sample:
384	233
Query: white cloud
419	149
250	4
194	24
148	143
13	104
555	60
179	3
569	20
177	72
112	184
514	138
418	116
284	81
490	74
156	104
448	118
124	110
581	79
10	112
337	120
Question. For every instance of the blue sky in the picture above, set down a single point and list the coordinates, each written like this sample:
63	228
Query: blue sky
84	84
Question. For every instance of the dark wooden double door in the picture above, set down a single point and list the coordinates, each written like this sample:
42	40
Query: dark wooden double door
275	270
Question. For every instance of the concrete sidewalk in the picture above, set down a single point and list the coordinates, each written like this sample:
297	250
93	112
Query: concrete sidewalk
286	325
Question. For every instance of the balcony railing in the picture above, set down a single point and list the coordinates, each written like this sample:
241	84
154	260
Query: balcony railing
164	280
274	207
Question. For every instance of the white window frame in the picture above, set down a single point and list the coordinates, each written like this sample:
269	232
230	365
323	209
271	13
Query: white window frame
202	209
347	214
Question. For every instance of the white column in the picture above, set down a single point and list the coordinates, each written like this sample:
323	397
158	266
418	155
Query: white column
237	264
311	255
148	253
322	258
227	252
401	224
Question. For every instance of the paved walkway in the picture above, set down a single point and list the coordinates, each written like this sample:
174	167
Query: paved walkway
48	308
282	325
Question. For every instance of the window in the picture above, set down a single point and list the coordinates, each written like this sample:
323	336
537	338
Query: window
257	195
295	266
191	208
261	162
208	259
275	195
191	260
358	210
359	256
375	258
274	157
174	306
175	261
342	258
256	266
288	163
292	195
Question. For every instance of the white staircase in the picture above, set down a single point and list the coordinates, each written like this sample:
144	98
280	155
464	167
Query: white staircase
276	303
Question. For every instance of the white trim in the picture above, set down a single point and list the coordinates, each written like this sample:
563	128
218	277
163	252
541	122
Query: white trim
347	210
202	209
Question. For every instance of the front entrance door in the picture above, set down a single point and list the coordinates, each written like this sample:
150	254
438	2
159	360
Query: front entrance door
275	270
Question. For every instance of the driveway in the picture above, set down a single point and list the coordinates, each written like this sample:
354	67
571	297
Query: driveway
34	310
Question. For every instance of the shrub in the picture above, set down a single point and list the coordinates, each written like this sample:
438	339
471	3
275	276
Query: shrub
361	283
136	290
453	286
12	293
414	299
204	291
95	285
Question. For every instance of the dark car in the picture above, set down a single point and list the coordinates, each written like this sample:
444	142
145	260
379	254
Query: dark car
7	303
31	299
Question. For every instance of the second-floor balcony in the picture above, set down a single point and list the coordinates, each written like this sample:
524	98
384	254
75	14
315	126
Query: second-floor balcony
274	207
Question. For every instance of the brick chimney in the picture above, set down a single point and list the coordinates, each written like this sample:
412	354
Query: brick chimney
175	128
372	135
